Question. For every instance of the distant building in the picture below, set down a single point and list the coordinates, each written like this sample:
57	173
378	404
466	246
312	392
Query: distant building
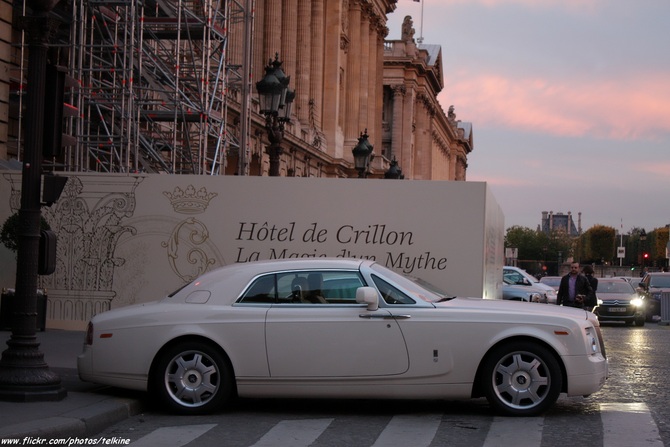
561	222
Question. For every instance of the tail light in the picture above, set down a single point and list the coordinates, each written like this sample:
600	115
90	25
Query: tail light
89	334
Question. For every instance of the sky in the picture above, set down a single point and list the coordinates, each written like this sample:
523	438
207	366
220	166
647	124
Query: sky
569	102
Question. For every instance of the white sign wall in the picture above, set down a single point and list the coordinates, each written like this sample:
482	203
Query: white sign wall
130	239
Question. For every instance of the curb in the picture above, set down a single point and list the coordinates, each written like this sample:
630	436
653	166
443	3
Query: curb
85	421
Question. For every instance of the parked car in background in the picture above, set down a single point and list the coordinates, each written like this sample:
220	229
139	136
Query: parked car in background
618	301
552	281
252	330
522	292
653	285
519	277
633	280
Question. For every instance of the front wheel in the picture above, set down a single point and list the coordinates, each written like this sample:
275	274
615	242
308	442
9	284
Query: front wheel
192	378
521	379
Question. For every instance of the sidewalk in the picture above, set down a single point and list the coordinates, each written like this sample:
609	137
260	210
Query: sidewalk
86	410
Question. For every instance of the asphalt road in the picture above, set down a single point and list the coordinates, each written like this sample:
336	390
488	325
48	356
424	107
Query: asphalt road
631	410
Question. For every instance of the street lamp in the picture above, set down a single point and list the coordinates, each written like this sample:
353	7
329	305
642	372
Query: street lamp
394	171
363	155
24	375
275	101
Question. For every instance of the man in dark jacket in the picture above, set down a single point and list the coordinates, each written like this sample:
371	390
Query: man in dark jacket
574	288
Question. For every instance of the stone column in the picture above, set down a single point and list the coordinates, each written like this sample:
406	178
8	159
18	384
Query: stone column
352	83
397	136
423	139
289	38
316	70
376	81
260	58
272	28
409	137
366	62
303	65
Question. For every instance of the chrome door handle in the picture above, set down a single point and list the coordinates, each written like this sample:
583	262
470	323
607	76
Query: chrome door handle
385	317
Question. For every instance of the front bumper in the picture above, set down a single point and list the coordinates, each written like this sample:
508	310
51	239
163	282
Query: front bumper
585	374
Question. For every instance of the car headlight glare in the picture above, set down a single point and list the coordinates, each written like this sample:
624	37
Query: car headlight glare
637	302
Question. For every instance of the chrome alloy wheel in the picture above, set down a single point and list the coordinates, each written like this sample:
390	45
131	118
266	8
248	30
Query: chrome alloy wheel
521	380
192	378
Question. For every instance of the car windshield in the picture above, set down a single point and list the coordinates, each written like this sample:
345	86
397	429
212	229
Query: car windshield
417	286
614	287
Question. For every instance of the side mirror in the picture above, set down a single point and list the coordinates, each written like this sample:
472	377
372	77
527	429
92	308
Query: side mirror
524	282
368	295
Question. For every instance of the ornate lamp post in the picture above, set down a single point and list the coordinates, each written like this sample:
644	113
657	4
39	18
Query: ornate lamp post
363	155
24	375
394	171
275	100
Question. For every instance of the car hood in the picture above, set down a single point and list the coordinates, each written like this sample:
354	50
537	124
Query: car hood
616	296
499	307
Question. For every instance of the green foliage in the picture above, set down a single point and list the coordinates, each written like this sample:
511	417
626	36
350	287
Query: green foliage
549	249
9	234
598	245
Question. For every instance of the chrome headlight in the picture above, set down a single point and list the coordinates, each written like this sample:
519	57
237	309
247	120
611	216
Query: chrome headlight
593	343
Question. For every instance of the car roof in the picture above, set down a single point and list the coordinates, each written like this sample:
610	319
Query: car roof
257	267
234	277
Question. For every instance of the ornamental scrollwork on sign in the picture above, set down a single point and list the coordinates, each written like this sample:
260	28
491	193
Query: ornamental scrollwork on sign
187	248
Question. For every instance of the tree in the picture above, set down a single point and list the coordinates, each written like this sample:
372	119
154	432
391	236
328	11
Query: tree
598	245
657	242
9	234
539	252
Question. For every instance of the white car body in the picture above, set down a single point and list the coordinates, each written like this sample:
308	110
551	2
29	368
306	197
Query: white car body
533	284
362	349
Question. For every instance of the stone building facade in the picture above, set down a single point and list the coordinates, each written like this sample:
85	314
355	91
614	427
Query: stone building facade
347	78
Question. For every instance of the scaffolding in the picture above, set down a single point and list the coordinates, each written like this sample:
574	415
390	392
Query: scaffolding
153	86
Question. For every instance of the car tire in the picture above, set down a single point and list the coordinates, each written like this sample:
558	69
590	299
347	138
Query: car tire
521	379
192	378
639	322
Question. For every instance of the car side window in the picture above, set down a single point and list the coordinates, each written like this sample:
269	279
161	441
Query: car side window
514	278
262	290
319	287
390	294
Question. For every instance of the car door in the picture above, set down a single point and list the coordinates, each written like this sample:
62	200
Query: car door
335	338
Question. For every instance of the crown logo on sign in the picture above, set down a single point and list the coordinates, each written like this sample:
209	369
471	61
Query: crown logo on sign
189	201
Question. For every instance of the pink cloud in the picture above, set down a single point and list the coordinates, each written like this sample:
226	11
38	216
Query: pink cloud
578	6
614	108
500	180
657	169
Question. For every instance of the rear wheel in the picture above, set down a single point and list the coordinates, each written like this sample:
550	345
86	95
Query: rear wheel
192	378
521	379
